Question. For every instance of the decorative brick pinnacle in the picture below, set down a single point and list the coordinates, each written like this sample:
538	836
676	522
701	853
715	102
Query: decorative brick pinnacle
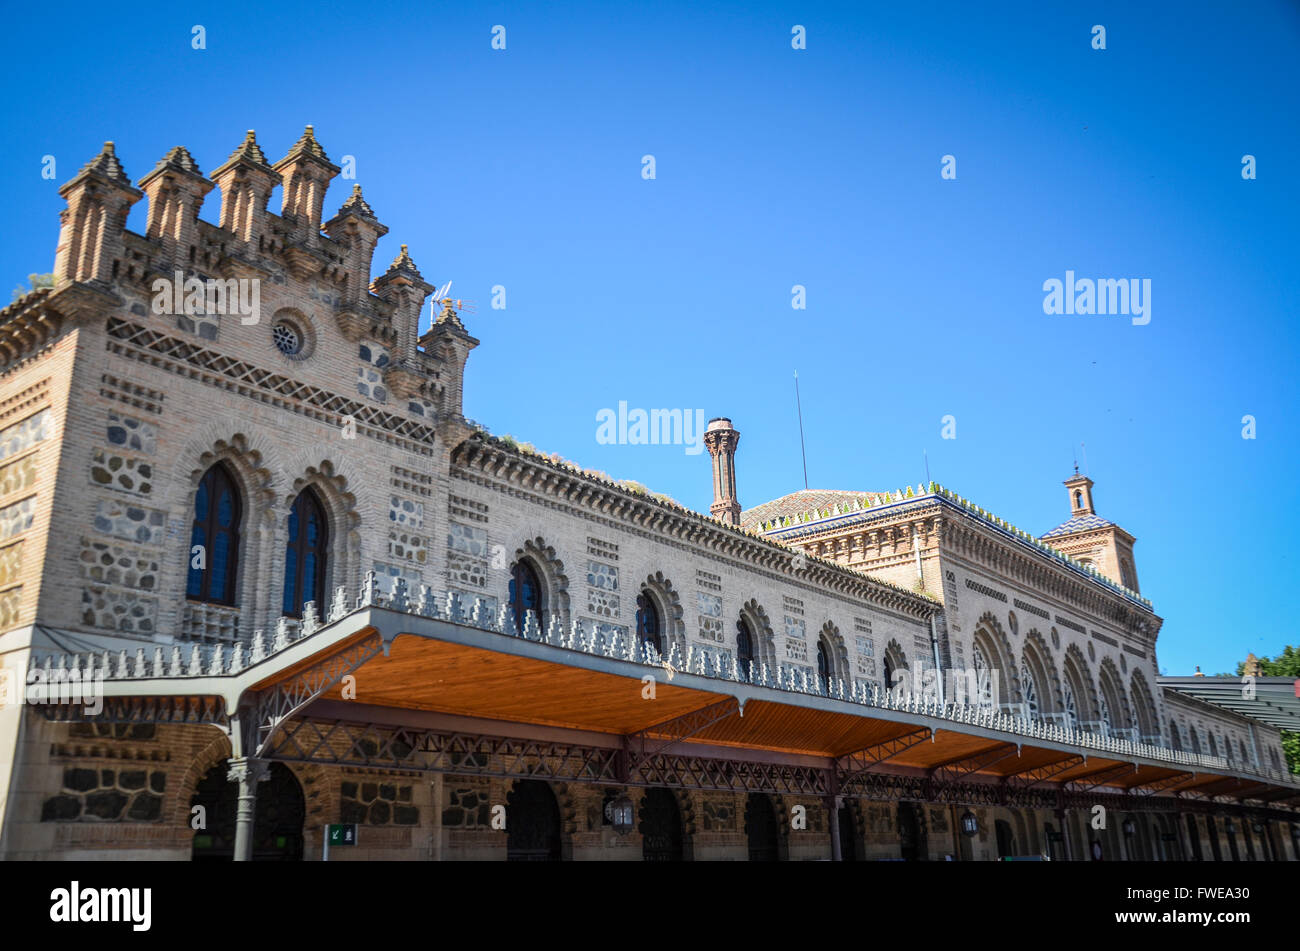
358	205
106	164
177	158
308	144
449	317
402	264
249	150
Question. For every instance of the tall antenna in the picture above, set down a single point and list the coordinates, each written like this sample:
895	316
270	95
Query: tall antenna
926	456
802	450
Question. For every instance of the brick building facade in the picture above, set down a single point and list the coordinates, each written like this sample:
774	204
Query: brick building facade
222	444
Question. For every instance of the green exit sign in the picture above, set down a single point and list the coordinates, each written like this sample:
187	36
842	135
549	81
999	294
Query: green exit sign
343	834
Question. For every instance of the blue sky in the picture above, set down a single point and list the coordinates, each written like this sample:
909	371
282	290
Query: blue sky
777	167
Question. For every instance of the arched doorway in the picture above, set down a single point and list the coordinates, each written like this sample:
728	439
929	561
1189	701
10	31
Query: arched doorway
1006	840
277	824
848	835
532	823
911	841
661	826
760	828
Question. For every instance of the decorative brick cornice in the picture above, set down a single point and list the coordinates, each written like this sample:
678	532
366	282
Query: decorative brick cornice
492	458
994	543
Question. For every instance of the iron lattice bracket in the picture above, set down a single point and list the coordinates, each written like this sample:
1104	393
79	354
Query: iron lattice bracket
365	745
966	794
957	769
198	710
1160	785
851	766
279	702
887	787
1029	778
701	772
677	729
1101	778
389	748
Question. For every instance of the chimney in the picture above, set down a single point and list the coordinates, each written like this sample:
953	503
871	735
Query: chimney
722	440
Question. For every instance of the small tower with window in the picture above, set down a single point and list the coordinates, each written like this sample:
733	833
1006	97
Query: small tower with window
1091	540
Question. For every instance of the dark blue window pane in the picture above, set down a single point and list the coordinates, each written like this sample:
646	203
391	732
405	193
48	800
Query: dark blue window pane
219	565
305	557
309	578
225	509
194	583
290	582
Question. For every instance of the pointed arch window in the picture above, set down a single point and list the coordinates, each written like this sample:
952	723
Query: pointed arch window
648	629
824	664
305	554
744	646
526	594
983	677
1029	689
1105	717
214	538
1071	707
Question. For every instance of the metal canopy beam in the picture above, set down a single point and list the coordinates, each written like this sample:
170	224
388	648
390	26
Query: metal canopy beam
852	765
1160	785
956	769
392	747
282	700
1028	778
679	728
1101	777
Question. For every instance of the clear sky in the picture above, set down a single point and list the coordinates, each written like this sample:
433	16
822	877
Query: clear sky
774	167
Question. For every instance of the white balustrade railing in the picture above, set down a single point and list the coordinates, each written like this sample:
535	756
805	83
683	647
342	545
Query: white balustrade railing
223	660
